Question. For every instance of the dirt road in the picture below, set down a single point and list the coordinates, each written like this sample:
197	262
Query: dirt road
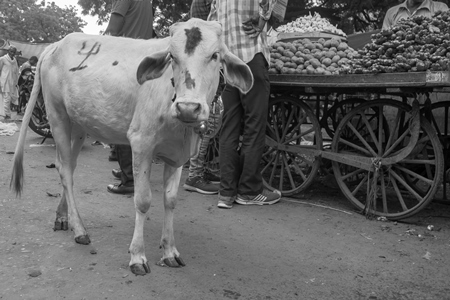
313	246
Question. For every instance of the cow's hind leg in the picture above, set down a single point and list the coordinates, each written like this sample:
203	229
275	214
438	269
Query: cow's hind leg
142	198
171	256
69	140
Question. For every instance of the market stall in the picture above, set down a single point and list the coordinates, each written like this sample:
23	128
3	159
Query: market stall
364	116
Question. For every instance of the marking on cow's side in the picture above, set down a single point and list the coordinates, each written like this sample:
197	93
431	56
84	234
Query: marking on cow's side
194	37
190	83
94	50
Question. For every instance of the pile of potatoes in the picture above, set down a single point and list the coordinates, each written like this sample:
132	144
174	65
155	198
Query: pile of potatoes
303	56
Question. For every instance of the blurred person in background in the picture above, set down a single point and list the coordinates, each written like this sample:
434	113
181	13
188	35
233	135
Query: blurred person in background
133	19
9	75
410	8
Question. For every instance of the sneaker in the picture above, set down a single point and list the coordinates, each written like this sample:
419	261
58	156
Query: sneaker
200	185
225	202
213	178
265	198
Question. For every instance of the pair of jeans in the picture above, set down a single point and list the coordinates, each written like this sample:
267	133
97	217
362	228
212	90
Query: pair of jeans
125	160
246	115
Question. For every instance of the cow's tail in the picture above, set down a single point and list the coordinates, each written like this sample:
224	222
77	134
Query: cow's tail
16	183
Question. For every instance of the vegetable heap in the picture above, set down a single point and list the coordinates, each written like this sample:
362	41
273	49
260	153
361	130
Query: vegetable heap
310	24
416	44
324	57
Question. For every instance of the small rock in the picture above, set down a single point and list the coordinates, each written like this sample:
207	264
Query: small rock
427	256
34	273
93	251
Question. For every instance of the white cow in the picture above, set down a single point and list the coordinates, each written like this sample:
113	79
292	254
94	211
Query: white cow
122	91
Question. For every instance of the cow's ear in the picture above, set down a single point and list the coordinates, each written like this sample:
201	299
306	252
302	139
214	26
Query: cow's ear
153	66
237	73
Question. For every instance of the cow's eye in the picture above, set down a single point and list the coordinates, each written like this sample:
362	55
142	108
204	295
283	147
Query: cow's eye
215	56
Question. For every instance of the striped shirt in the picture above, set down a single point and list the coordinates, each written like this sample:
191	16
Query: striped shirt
231	14
427	9
200	9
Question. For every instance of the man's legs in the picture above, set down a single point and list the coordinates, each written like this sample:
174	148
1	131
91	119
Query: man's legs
240	171
7	104
2	109
196	181
125	159
255	104
229	160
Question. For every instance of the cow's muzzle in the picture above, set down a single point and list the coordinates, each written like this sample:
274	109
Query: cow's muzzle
188	112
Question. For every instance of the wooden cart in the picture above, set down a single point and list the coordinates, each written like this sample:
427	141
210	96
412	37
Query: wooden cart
379	135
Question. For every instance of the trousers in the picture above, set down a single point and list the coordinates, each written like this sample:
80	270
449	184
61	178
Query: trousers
246	115
7	99
197	163
125	160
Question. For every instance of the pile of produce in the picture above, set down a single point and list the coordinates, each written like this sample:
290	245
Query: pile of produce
310	24
412	45
303	56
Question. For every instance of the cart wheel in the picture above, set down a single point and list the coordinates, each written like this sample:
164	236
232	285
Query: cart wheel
293	136
337	112
438	114
392	191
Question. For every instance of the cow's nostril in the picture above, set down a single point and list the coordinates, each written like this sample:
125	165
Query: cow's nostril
198	108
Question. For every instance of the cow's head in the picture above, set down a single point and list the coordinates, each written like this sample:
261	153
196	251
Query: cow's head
196	53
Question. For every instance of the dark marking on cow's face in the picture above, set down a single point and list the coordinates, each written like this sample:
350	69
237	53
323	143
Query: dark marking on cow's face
115	63
194	37
190	83
94	50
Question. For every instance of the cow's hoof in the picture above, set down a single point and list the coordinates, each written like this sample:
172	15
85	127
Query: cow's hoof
83	239
173	262
61	225
140	269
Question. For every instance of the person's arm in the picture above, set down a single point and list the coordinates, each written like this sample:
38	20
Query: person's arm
115	24
254	26
117	20
388	20
213	13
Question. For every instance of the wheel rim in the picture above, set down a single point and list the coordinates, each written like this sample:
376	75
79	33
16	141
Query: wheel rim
290	122
398	190
337	112
438	114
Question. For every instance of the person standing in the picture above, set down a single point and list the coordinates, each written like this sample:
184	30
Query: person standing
410	8
244	33
200	179
9	75
133	19
29	64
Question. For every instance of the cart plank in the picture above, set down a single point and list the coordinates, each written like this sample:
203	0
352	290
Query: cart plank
382	80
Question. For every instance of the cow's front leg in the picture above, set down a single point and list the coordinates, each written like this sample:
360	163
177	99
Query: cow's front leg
142	199
171	256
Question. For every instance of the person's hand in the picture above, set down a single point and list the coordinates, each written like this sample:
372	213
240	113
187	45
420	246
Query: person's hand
253	26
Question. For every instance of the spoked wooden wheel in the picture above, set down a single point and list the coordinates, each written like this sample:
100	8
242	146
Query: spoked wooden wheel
439	116
391	172
337	112
293	140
